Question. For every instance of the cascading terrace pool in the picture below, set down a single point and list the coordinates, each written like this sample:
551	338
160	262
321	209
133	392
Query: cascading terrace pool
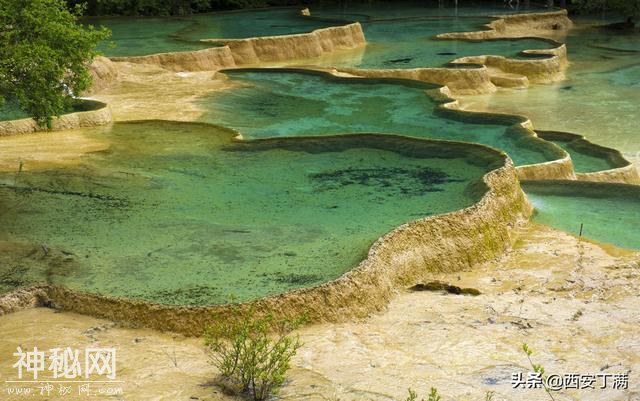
144	36
184	214
600	97
411	43
403	42
178	213
397	10
279	102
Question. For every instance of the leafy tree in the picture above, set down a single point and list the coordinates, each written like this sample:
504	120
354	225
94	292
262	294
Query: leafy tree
174	7
44	54
630	9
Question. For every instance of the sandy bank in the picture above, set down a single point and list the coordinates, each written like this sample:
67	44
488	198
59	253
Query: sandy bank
560	295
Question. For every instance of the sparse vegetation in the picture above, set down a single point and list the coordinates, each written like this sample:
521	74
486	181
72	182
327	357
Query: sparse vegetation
252	354
433	395
538	368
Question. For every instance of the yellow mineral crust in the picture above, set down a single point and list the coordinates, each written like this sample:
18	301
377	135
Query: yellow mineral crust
291	47
412	252
100	115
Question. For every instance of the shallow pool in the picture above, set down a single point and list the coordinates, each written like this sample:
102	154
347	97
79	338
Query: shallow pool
177	213
585	157
411	43
142	36
607	212
397	43
600	97
370	11
10	111
272	103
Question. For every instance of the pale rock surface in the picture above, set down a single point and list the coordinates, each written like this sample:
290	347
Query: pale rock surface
574	302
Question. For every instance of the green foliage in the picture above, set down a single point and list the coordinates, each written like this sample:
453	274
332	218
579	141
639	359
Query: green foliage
413	396
252	359
628	8
174	7
433	395
538	368
44	55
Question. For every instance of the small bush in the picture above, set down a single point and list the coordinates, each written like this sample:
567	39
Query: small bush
252	357
433	395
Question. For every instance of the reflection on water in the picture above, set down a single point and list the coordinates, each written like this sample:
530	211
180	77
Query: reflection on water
399	43
376	11
141	36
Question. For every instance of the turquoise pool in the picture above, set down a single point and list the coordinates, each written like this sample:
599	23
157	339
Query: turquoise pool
607	212
411	43
398	43
273	103
177	213
600	97
143	36
376	11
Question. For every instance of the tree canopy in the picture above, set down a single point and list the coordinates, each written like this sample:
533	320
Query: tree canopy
627	8
174	7
44	55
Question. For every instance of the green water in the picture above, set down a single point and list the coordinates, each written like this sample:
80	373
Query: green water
411	44
251	24
585	160
370	11
298	104
600	97
608	212
142	36
176	213
393	44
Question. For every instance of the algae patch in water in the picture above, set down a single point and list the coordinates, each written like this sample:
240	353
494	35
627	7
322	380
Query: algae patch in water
403	181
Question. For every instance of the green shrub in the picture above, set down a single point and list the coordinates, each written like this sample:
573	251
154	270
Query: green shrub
433	395
253	354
